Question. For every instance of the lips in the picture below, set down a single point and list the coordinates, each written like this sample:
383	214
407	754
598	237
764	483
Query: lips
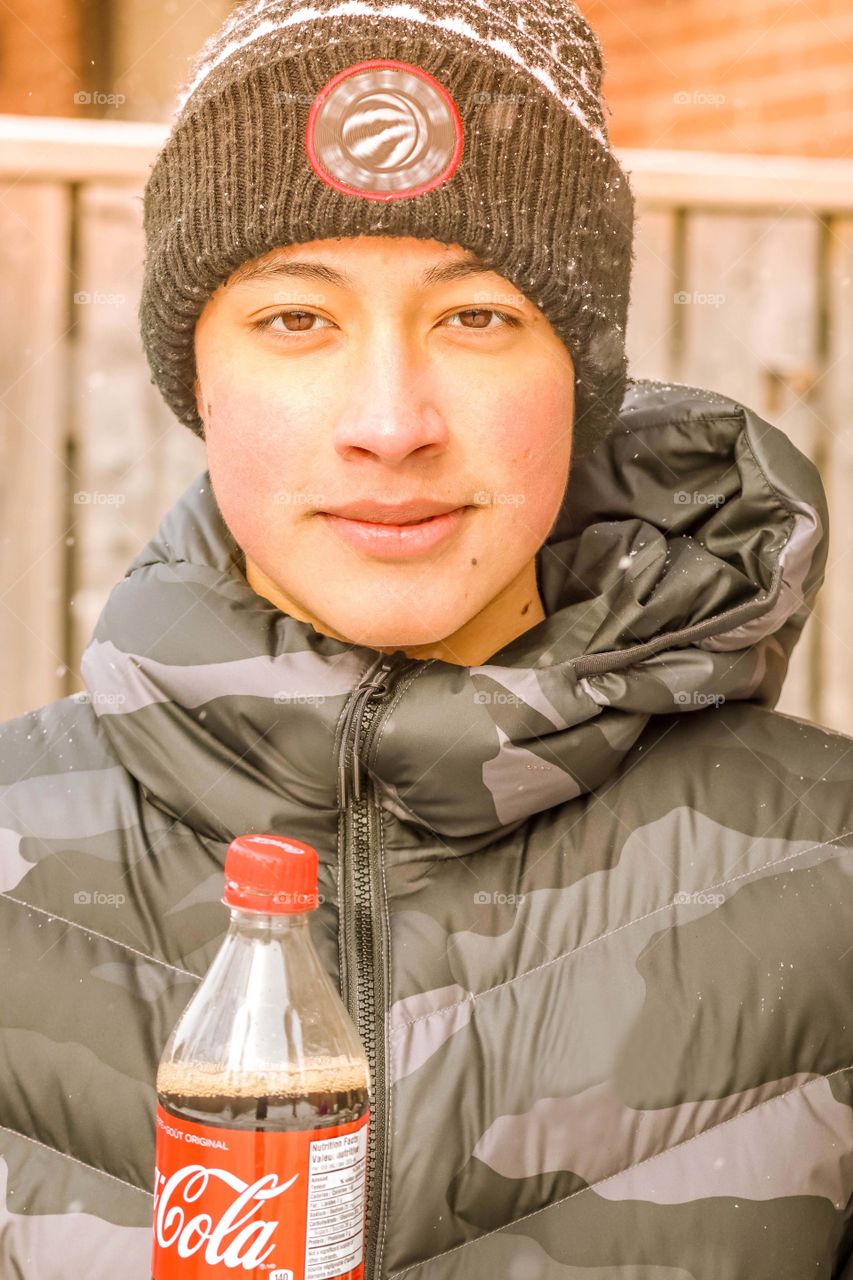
397	540
399	513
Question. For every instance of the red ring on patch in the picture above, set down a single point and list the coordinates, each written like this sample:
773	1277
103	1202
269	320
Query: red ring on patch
383	130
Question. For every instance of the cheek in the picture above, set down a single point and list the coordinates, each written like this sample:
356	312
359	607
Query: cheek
253	456
243	415
530	451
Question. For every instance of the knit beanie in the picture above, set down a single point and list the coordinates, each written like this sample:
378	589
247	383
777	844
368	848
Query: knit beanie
471	122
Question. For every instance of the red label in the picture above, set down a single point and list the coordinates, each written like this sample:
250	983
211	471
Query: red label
270	1206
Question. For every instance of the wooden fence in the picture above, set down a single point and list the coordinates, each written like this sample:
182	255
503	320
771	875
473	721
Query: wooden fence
742	284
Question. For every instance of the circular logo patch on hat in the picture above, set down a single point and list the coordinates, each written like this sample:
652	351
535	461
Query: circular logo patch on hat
383	130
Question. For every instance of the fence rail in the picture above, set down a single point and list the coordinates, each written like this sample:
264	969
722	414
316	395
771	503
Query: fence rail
742	284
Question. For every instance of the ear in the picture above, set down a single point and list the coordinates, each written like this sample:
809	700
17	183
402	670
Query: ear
198	399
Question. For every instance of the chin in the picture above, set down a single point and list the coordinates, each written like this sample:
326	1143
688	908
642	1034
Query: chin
404	632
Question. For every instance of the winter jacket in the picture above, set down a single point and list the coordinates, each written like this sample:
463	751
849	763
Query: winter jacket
588	903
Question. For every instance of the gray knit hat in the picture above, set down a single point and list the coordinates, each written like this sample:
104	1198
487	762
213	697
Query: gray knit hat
471	122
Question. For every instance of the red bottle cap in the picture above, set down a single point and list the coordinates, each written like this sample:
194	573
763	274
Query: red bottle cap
273	874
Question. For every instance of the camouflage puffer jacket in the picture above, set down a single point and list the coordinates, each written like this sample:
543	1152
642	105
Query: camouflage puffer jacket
589	903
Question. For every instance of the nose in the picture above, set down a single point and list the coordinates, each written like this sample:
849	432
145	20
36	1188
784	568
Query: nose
390	413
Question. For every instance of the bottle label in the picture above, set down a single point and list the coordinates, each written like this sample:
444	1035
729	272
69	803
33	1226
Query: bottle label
266	1205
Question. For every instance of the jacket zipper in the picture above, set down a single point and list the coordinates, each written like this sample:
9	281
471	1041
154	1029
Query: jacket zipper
359	713
361	924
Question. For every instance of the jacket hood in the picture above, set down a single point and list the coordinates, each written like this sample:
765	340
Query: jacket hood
679	573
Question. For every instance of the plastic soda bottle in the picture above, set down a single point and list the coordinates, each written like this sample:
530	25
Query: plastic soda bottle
263	1095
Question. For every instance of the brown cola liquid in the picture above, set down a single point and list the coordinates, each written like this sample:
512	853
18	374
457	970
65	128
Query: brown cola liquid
324	1092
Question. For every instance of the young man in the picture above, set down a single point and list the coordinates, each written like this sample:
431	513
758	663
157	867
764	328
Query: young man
501	637
392	403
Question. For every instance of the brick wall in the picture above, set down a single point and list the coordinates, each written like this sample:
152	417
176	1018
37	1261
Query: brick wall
40	57
100	59
768	76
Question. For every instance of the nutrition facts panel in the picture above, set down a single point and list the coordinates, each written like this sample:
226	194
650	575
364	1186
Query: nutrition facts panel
335	1227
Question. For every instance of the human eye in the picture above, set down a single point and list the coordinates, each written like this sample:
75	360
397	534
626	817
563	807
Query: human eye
300	314
504	316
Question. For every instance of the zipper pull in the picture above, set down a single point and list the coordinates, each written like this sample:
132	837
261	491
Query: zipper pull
375	684
377	687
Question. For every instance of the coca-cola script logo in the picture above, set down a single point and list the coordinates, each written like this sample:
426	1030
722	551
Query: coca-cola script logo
234	1240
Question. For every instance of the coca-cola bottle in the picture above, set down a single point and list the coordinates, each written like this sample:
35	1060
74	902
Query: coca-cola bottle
263	1095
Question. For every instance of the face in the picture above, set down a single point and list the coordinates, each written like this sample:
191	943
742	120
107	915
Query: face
388	429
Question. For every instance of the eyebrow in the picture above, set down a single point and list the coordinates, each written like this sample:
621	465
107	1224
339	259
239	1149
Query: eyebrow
277	269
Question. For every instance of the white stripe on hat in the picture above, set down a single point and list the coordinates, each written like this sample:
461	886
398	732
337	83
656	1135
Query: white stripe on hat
403	12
